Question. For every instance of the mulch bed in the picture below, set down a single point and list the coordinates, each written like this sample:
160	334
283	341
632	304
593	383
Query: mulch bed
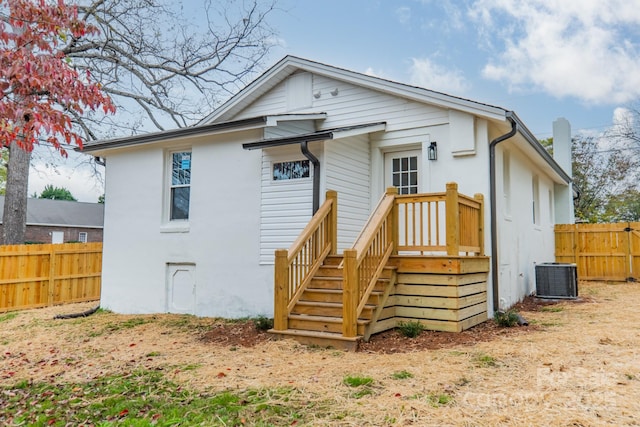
245	334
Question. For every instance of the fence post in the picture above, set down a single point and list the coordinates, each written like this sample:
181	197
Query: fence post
52	271
393	220
350	294
452	211
480	199
281	291
333	233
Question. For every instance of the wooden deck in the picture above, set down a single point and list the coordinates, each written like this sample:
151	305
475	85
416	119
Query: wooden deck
418	258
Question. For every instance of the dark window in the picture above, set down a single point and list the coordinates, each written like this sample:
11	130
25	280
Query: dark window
180	185
291	170
404	173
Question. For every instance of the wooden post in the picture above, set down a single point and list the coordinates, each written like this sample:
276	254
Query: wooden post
350	294
393	220
281	291
452	211
52	272
480	199
333	234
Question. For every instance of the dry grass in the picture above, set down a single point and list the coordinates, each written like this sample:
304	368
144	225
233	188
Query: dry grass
580	367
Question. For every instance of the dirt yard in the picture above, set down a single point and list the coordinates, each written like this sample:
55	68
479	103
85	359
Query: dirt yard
576	364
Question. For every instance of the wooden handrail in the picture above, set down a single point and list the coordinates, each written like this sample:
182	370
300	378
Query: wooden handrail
294	268
364	263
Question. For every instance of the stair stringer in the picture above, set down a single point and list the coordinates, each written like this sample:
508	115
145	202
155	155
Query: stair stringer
371	327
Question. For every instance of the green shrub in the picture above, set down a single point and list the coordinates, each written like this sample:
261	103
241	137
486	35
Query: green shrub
263	323
506	319
410	329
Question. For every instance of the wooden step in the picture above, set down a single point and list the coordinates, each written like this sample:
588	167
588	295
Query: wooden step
334	295
329	309
322	323
320	339
326	282
333	260
330	271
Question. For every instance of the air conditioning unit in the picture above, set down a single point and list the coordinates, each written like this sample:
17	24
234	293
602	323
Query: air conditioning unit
556	280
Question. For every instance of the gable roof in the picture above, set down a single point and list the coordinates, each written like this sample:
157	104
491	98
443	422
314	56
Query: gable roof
222	119
291	64
62	213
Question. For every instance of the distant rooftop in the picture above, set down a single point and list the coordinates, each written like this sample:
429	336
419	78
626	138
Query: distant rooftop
62	213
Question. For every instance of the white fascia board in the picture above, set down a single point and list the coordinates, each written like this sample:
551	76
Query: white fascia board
346	133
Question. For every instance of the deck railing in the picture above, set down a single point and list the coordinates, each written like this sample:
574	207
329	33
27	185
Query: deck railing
417	224
363	263
424	224
434	223
294	268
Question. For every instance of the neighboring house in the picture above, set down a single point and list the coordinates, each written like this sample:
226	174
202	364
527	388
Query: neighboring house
195	214
61	221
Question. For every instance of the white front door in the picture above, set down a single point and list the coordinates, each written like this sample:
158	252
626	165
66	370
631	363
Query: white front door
402	170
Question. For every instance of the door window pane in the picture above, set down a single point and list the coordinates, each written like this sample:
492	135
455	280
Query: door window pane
404	174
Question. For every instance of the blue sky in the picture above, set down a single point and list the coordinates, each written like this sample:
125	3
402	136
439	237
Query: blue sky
544	59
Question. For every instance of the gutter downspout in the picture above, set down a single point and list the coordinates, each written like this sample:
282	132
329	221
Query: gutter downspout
316	175
494	209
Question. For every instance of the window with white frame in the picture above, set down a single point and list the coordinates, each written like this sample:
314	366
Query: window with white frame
535	188
180	185
82	237
290	170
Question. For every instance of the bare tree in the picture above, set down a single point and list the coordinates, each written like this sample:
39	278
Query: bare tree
162	68
604	173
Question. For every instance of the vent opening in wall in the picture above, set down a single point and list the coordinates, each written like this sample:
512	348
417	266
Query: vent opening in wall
181	288
556	280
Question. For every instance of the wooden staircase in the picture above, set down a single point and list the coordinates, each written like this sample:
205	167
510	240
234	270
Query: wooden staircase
316	317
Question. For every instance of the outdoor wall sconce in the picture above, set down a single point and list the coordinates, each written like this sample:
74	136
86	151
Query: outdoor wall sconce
433	151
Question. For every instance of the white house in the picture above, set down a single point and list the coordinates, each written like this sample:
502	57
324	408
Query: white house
193	215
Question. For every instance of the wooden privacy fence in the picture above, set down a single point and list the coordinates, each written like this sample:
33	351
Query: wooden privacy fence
34	276
601	251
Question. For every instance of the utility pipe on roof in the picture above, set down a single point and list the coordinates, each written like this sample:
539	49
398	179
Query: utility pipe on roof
316	175
494	209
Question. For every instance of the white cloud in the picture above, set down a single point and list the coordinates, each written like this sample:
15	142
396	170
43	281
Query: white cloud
587	49
425	73
403	14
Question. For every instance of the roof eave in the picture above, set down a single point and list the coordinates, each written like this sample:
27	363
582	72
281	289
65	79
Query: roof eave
535	144
290	64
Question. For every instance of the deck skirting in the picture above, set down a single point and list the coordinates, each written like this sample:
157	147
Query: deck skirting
443	293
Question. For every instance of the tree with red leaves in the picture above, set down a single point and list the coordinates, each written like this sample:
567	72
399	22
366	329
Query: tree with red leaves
40	92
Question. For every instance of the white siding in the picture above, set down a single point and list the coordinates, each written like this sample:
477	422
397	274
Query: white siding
352	105
285	207
348	171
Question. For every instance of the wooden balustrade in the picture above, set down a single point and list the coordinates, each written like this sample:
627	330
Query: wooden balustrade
427	224
364	263
294	268
436	223
417	224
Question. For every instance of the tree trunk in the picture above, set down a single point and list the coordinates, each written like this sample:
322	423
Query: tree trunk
14	217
